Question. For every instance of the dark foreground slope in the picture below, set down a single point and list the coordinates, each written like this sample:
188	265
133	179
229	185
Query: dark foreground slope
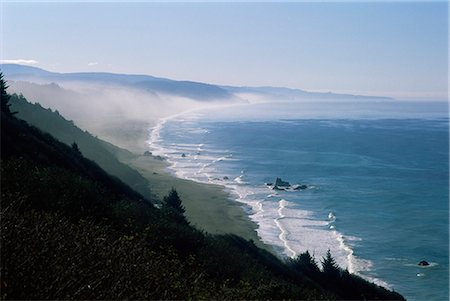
71	231
103	153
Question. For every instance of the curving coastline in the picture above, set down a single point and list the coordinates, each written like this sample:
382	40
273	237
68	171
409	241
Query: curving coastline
208	207
270	224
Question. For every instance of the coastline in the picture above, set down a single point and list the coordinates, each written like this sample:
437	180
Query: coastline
208	206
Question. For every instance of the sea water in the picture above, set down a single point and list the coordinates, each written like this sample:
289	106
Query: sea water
376	174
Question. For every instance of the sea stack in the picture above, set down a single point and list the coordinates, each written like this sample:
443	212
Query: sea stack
280	184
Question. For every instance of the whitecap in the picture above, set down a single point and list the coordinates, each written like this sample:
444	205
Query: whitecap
240	179
283	231
280	223
331	216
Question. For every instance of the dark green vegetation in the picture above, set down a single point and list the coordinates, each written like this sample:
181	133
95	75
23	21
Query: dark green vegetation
102	152
71	231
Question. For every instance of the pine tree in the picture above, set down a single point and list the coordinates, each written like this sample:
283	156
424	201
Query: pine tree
308	261
4	96
329	265
305	263
76	148
173	201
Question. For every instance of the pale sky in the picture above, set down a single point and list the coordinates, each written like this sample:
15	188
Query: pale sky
383	48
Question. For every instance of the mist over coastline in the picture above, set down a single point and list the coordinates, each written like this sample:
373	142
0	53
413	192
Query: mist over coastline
118	106
235	150
128	112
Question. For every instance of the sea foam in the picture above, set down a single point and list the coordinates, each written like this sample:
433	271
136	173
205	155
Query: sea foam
280	222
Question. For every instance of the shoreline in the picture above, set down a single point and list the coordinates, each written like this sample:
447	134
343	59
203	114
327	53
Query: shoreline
212	208
209	207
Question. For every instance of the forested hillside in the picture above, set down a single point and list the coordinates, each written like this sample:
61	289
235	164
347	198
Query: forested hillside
91	147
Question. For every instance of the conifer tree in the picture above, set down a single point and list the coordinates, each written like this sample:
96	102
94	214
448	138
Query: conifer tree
173	201
4	96
305	263
76	148
329	265
308	261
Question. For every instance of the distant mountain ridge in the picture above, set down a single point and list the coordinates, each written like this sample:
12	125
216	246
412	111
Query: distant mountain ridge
190	89
290	93
194	90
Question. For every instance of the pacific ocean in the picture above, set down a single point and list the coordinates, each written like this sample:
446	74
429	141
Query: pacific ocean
376	176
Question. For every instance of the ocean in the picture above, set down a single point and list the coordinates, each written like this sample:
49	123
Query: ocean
376	178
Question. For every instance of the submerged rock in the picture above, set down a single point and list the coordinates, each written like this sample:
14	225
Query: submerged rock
300	187
226	178
147	153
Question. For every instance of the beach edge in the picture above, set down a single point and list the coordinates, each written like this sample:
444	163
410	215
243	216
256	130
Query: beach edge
209	207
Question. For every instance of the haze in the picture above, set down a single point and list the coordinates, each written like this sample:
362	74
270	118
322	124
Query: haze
387	49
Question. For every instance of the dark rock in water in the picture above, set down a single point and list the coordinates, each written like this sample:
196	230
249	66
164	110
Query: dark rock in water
424	263
183	155
280	183
278	188
147	153
300	187
226	178
269	184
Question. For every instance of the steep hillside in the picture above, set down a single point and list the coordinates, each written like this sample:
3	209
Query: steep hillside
91	147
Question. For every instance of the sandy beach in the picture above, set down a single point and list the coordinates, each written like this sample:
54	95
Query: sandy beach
208	207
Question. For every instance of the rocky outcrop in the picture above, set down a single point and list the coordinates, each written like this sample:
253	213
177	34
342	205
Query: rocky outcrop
284	185
424	263
280	183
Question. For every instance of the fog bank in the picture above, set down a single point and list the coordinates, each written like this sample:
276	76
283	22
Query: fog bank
116	113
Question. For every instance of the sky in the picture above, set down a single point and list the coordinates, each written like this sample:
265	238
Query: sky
391	48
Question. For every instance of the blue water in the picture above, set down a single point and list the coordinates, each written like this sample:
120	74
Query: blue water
377	177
